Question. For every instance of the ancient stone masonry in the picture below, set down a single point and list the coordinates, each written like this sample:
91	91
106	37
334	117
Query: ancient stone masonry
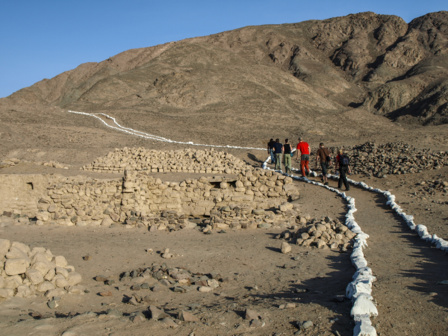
186	160
396	158
241	217
251	190
237	195
72	201
143	200
26	272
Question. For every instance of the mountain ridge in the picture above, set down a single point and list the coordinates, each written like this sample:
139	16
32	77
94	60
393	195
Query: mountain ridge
347	75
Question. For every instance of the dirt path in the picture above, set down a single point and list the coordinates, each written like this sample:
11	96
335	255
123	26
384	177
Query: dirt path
409	296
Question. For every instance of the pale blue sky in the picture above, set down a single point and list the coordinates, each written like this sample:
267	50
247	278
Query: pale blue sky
43	38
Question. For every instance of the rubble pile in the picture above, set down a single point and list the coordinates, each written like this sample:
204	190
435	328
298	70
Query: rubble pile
185	160
396	158
432	187
322	233
26	272
178	279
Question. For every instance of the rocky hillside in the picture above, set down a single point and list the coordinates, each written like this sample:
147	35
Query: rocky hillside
302	77
379	61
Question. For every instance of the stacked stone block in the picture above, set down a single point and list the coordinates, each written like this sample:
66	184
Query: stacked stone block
139	199
145	195
246	217
324	233
81	202
187	160
26	272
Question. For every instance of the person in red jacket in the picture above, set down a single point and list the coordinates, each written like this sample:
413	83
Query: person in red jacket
304	149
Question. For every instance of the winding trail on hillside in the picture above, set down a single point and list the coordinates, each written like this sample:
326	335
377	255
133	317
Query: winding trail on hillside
410	293
111	122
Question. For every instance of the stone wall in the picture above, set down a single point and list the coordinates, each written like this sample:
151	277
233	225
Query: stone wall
139	197
19	193
78	201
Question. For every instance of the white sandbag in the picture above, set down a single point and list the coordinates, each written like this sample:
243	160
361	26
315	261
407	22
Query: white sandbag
363	327
364	305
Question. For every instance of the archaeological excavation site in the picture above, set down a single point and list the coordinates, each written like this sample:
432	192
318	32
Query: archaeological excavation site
138	195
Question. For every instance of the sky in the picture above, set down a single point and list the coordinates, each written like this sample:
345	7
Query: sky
42	38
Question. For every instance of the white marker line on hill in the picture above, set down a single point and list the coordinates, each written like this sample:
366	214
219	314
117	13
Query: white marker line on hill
131	131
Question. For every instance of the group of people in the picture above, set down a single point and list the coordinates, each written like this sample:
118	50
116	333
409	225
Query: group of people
283	152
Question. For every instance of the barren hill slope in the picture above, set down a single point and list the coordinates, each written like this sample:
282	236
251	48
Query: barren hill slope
254	83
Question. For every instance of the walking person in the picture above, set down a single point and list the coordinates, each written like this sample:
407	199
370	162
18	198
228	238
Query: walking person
323	156
304	150
343	164
287	150
271	150
278	150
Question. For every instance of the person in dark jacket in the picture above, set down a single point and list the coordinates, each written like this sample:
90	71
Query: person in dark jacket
271	150
278	150
343	164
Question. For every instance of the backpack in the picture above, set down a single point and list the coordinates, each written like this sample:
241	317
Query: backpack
344	160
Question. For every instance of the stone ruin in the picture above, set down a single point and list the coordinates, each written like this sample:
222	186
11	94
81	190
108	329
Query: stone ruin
247	199
177	279
325	233
138	199
26	272
233	196
321	233
395	158
206	161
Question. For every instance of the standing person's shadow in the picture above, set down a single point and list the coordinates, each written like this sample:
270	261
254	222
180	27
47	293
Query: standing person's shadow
254	158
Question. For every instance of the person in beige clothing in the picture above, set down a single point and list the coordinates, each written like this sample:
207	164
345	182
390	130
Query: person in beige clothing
323	156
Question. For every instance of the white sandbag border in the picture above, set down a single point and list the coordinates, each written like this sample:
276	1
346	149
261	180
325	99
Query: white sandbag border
421	229
360	289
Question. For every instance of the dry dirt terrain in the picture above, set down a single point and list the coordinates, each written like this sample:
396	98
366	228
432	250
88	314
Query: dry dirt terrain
343	81
410	292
